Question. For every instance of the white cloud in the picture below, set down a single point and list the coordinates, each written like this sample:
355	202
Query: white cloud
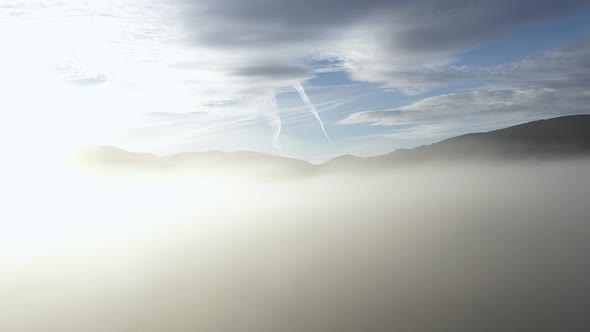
552	85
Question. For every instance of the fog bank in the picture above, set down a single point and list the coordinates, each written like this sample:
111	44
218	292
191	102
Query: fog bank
462	247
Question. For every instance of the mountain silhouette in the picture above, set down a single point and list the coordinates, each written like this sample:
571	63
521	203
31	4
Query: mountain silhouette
113	160
557	138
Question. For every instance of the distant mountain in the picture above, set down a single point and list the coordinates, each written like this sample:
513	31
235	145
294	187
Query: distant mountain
112	160
558	138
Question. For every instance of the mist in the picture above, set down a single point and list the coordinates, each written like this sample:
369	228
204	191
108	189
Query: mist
495	246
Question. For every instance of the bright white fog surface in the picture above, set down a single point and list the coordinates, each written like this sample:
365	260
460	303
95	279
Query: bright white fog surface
497	247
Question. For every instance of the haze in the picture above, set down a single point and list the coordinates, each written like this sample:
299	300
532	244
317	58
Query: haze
294	165
473	246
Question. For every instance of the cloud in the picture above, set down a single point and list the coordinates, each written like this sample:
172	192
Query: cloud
76	76
392	42
554	84
274	72
228	58
495	247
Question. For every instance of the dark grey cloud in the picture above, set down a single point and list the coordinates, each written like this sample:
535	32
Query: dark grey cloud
451	21
378	40
273	71
459	24
257	22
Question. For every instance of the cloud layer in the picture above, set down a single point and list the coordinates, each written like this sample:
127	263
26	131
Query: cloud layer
376	40
499	247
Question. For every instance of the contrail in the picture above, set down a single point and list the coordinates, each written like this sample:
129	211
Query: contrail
275	141
310	106
276	123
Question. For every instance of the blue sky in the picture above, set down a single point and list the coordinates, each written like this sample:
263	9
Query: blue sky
176	76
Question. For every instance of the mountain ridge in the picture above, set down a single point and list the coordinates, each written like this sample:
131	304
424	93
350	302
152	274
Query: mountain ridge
548	139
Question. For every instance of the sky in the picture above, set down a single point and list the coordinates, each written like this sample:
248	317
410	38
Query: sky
307	79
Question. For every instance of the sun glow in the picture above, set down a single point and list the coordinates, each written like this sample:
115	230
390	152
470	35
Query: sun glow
64	206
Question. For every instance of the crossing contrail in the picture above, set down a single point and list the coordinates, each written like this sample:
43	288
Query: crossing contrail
310	106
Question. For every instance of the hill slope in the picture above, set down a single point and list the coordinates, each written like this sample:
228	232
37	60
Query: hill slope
558	138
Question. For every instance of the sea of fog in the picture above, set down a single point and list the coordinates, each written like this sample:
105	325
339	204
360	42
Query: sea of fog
464	247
